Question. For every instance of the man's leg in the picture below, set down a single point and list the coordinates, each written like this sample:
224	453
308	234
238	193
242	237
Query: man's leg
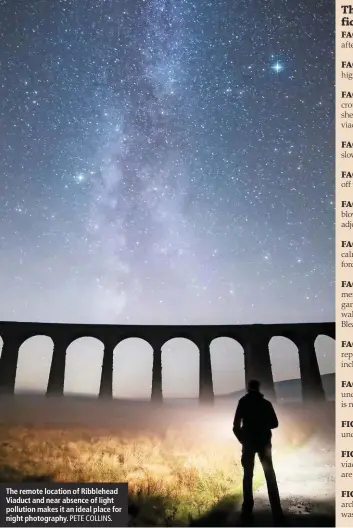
265	456
248	461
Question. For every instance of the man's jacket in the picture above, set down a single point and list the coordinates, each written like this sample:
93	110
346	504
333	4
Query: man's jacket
254	419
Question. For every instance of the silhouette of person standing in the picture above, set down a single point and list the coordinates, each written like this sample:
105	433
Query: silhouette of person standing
253	421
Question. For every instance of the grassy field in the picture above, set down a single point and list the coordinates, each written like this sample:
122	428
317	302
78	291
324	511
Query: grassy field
175	473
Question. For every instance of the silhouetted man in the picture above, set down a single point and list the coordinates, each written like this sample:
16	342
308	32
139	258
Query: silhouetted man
253	421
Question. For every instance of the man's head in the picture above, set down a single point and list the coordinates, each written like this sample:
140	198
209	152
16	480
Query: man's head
254	386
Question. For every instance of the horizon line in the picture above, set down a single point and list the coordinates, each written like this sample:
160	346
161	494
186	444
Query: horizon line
169	325
147	398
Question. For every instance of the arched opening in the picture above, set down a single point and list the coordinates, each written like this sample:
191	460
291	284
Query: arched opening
83	367
132	367
325	353
285	369
180	369
33	365
227	360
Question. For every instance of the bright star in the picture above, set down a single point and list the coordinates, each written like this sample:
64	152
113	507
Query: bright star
79	178
277	67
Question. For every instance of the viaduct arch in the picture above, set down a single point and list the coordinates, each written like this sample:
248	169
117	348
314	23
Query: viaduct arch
253	338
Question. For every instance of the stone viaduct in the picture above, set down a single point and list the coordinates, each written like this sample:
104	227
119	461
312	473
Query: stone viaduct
253	338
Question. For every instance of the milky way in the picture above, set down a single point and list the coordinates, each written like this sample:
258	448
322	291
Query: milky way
166	162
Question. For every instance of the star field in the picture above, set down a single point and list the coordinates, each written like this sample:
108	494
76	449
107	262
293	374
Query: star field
166	162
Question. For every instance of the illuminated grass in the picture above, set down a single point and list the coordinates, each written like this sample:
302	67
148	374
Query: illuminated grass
174	476
169	477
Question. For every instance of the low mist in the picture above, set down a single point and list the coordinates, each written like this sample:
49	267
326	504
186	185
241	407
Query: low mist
131	416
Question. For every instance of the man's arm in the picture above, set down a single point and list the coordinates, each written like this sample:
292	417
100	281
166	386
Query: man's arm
237	422
273	420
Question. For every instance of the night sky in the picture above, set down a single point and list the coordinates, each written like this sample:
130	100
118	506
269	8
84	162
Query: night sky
167	162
